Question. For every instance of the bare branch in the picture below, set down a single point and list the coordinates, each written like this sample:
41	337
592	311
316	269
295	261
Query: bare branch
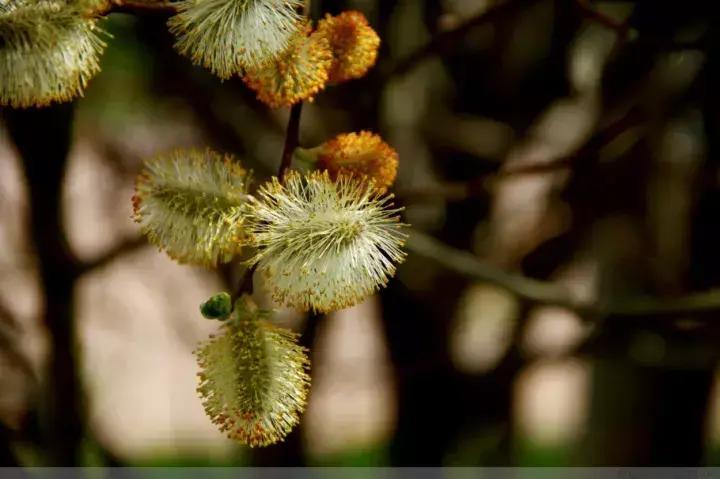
470	266
545	292
292	139
135	7
124	247
462	190
443	40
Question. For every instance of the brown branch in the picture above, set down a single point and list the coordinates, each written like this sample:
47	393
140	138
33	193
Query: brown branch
595	143
443	40
292	140
484	183
470	266
127	246
546	292
135	7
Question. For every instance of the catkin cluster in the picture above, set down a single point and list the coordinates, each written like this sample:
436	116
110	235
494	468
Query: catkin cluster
320	241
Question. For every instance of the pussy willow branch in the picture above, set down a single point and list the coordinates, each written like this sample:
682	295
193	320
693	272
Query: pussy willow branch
292	140
545	292
160	7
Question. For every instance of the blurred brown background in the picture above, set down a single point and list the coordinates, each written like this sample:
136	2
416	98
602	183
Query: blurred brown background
569	141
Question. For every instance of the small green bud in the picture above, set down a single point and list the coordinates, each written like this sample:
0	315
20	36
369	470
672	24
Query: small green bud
217	307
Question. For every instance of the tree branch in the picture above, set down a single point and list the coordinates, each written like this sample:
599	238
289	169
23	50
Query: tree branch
443	40
545	292
461	190
470	266
127	246
157	7
292	139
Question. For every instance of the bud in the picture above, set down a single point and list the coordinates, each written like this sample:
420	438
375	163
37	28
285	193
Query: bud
217	307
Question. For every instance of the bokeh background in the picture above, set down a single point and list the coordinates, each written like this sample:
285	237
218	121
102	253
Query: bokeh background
569	141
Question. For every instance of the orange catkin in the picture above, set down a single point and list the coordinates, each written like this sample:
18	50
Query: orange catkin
354	44
362	154
298	75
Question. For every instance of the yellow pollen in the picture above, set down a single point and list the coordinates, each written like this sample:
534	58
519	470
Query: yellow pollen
354	44
362	154
298	75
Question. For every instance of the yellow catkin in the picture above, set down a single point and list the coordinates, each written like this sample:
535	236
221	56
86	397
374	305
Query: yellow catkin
253	377
354	44
298	75
229	36
362	154
49	51
190	204
324	244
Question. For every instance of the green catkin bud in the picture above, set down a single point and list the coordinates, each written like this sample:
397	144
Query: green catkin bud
218	306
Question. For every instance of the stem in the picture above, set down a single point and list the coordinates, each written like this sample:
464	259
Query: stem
160	7
292	139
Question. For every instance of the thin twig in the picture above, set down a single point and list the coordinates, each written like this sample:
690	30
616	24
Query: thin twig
484	183
159	7
544	292
124	247
469	265
292	139
447	38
